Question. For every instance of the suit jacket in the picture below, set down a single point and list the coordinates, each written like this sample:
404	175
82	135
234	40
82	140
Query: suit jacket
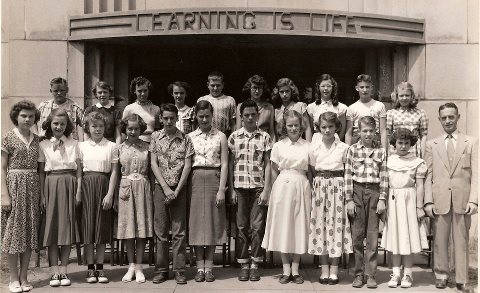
456	184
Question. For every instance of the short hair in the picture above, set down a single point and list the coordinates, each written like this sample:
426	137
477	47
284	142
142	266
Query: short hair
318	96
132	118
404	86
181	84
330	117
138	81
203	105
403	133
23	105
364	78
93	116
47	124
248	104
448	105
260	81
289	114
367	120
277	101
103	85
59	80
168	107
215	75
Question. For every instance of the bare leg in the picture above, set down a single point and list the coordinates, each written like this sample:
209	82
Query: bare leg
209	252
53	257
89	253
13	267
140	247
200	256
65	254
24	262
295	264
100	253
129	243
408	263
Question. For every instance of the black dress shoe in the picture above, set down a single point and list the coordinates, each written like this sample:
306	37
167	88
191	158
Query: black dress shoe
284	279
332	281
244	274
441	283
463	288
297	279
254	275
180	278
323	281
209	276
160	278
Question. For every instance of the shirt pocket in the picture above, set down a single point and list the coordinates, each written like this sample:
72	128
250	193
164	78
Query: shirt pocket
125	189
358	164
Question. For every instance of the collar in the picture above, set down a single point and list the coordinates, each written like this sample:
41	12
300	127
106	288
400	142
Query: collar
184	108
22	138
100	143
329	102
199	132
53	139
140	143
177	134
454	134
147	102
244	132
67	100
335	141
288	107
360	145
300	141
108	106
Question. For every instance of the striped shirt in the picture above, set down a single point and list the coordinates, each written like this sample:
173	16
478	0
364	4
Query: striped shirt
365	165
224	109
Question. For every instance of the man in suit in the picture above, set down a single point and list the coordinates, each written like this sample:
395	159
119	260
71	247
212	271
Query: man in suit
451	194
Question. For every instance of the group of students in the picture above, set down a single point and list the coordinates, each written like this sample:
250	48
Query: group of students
298	188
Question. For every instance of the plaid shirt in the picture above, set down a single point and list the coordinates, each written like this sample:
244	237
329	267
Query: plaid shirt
171	154
249	150
74	111
415	120
365	165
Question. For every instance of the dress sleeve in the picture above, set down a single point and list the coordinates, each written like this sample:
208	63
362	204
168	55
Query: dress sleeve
390	122
41	154
126	112
233	109
115	154
382	113
421	170
274	157
6	144
268	143
190	151
152	147
302	107
423	123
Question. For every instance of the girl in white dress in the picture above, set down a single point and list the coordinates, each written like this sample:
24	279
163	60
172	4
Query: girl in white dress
403	235
289	205
330	234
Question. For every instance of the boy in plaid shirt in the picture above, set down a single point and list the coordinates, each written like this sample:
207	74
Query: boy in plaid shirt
249	181
366	184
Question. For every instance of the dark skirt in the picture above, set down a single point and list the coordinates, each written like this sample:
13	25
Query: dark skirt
96	222
59	191
207	221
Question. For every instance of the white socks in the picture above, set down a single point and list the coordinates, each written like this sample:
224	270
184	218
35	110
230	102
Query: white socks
325	272
139	276
130	273
407	272
295	266
333	272
287	270
201	265
396	271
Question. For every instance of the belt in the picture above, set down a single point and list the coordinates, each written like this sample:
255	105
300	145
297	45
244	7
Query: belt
329	174
22	170
61	171
95	173
134	176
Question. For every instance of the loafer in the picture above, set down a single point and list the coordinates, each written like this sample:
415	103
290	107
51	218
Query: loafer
15	287
209	276
65	280
463	288
55	280
254	275
244	274
102	278
284	279
200	276
332	281
26	286
91	277
371	282
441	283
180	278
297	279
160	277
358	281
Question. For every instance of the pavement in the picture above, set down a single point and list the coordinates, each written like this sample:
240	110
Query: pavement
226	281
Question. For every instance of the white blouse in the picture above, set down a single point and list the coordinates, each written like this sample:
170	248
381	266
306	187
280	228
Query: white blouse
290	155
64	157
327	159
98	157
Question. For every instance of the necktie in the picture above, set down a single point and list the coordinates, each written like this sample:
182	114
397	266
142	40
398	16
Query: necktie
450	149
59	145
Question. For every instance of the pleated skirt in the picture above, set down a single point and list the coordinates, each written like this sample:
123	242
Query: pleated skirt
207	221
96	222
61	225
